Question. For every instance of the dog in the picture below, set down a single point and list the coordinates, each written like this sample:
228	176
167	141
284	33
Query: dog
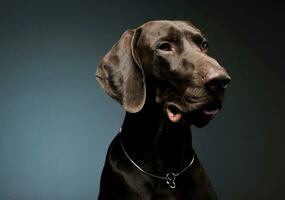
163	77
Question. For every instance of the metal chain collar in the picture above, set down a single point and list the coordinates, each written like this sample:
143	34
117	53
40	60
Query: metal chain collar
169	177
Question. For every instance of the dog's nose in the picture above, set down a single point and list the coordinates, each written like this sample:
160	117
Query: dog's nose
218	80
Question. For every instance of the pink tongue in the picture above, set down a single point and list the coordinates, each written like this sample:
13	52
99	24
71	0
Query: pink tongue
211	112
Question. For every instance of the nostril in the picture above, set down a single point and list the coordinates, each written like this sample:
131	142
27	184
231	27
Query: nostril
218	82
224	83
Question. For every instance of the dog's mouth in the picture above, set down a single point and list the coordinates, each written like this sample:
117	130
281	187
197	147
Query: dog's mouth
204	112
211	109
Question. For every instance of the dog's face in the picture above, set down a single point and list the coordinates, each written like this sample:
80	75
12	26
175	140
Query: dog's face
173	56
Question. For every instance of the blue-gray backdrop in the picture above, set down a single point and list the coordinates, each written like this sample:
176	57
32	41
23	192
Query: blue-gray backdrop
56	123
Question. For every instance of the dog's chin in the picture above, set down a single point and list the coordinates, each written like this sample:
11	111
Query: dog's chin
202	116
199	117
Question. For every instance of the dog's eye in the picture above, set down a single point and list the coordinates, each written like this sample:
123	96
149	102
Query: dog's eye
205	45
164	46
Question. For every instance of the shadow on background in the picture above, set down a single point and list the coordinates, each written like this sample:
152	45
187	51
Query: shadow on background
56	123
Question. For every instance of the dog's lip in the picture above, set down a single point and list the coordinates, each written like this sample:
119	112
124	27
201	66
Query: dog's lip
211	109
173	108
208	109
173	112
211	112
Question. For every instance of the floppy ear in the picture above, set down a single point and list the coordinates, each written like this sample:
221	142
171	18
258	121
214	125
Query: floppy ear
120	76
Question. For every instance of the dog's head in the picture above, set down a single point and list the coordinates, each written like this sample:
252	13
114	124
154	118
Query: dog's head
172	56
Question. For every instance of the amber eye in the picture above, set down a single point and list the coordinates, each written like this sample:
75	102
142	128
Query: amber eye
205	45
164	46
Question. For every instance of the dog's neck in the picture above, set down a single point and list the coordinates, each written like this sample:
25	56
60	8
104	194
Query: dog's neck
155	143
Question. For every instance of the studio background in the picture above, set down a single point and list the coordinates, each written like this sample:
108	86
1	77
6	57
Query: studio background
56	123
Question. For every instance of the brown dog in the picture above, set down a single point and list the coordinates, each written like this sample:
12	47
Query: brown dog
163	77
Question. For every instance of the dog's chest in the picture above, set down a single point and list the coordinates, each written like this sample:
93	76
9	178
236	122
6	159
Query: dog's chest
169	194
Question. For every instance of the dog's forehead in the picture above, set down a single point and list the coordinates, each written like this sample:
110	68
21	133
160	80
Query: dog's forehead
163	27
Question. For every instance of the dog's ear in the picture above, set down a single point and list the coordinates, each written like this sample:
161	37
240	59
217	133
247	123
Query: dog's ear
121	76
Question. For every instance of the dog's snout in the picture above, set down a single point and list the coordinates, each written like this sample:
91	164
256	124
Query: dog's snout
218	80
